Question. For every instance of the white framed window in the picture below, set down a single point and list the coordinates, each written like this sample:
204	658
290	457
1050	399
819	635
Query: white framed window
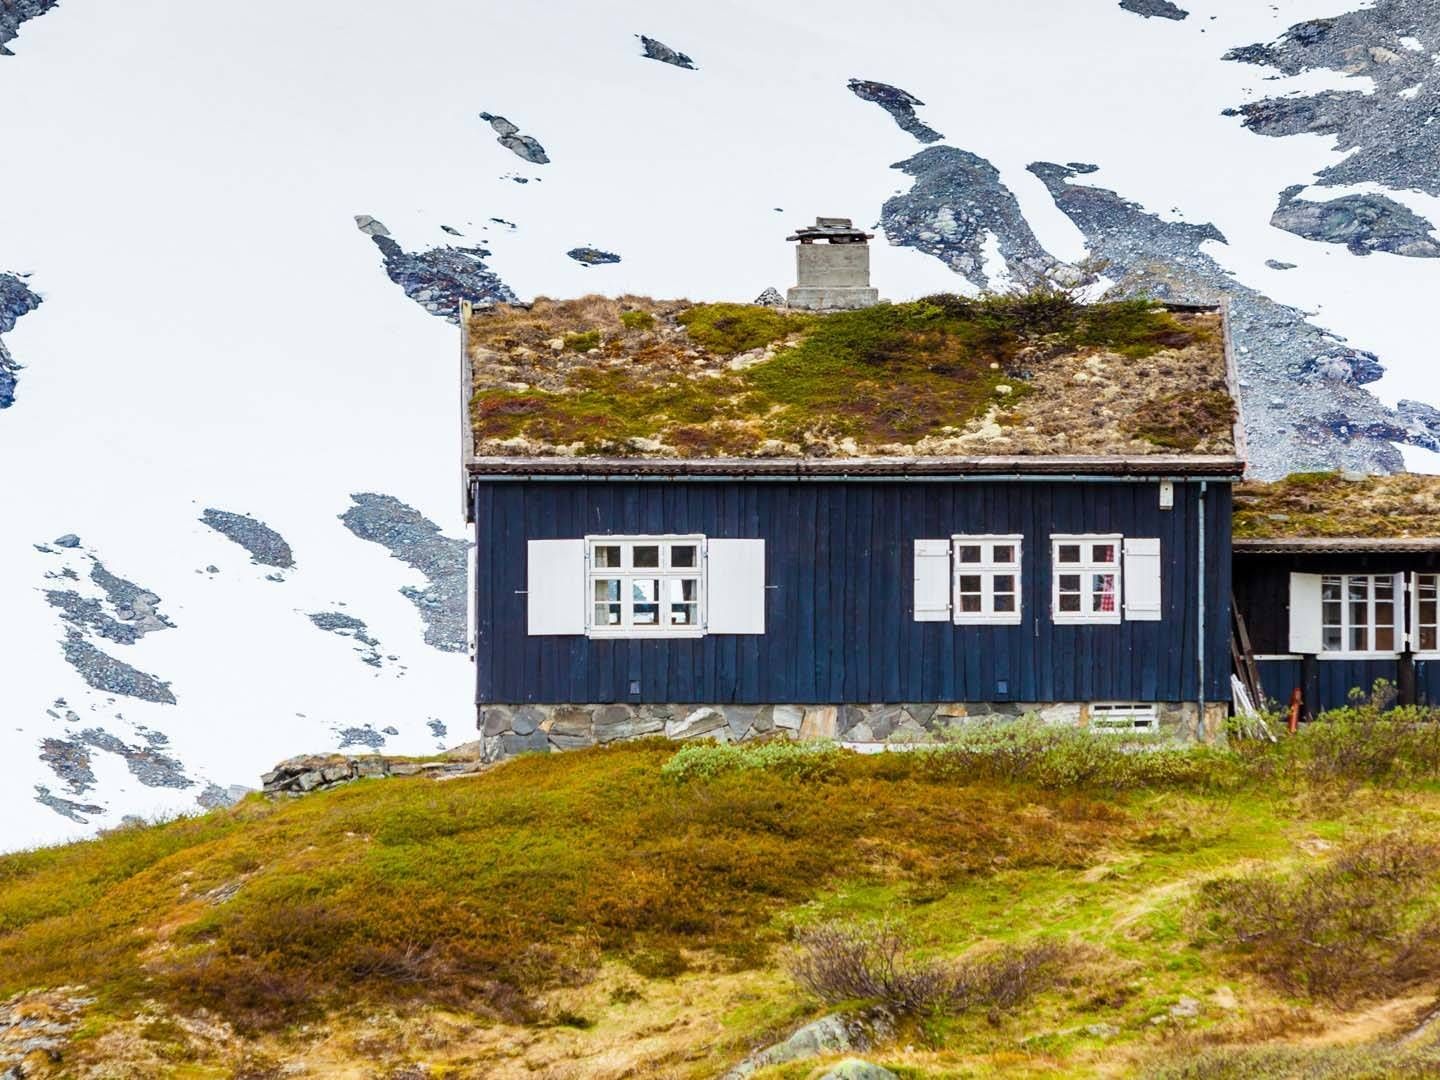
1425	613
985	579
1085	578
645	586
1120	716
1358	613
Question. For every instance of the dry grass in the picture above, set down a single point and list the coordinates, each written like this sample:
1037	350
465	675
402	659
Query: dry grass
1326	504
939	376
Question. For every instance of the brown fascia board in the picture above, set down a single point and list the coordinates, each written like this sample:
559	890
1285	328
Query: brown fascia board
1141	466
1321	545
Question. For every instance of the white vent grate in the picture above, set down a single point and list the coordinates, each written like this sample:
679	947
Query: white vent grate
1124	716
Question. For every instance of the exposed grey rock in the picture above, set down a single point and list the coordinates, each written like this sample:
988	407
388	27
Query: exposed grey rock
1161	9
657	50
266	546
509	136
1390	133
787	717
525	719
704	721
636	727
15	12
214	797
440	278
337	622
1276	264
373	226
771	297
956	199
69	540
415	540
16	297
104	672
361	736
66	807
437	728
1329	422
899	104
836	1034
741	719
513	743
589	256
69	761
1363	223
146	763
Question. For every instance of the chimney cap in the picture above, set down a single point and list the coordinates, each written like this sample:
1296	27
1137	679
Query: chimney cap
834	229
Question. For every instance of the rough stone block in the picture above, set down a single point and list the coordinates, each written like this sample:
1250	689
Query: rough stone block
909	731
848	716
633	728
820	722
513	743
526	720
952	708
571	724
741	719
860	733
788	717
494	719
921	713
703	721
886	720
371	766
333	773
764	720
563	740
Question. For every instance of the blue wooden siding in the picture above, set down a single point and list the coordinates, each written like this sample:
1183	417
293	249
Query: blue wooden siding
1339	677
838	606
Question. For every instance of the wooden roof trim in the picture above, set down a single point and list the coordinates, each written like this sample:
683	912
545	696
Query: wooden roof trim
1313	545
1142	465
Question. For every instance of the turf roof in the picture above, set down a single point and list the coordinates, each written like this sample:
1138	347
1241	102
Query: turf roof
1332	505
940	378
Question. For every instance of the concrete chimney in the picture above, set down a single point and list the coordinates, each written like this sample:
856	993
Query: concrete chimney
832	267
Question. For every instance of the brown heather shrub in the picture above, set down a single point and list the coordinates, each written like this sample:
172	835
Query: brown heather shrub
867	962
1368	1061
1363	924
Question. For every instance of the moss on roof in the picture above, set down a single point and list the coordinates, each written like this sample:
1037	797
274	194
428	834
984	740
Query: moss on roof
1328	504
942	376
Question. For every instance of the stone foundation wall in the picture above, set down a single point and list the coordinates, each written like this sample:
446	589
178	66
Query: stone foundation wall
506	730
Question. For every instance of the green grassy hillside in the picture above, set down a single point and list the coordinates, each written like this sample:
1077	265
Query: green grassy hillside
634	912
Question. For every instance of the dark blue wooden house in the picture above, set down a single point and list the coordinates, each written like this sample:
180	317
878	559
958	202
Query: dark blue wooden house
672	537
1337	581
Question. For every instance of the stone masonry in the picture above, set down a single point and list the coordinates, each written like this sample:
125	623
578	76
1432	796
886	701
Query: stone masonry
507	730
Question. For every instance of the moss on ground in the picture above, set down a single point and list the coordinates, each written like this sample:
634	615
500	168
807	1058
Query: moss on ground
890	375
1327	504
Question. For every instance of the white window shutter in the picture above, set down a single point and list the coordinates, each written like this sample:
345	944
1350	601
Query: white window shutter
735	586
555	584
1401	630
932	580
1305	614
1142	579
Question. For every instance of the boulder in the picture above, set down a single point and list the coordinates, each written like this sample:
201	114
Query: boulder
856	1069
632	727
703	721
838	1033
494	720
512	743
525	720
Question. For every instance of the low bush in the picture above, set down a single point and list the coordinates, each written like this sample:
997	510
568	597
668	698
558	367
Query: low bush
637	320
841	963
1364	923
795	760
584	341
1369	1061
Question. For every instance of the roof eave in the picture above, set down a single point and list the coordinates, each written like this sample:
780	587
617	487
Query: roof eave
1318	545
1140	466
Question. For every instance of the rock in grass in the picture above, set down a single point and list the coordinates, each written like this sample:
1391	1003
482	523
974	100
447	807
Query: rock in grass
856	1069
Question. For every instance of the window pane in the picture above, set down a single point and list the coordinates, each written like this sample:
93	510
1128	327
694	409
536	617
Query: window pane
1332	639
1005	602
1384	613
970	553
607	614
1331	613
607	602
969	583
1102	592
646	556
1330	588
1067	553
1427	612
1070	602
1004	553
684	601
1385	638
1102	553
1384	588
1069	583
1425	586
645	592
1004	583
683	556
607	589
1359	587
607	556
970	603
1427	637
1359	638
1359	613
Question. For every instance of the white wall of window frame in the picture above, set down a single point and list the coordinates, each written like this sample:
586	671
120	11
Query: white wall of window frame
645	586
985	579
1085	578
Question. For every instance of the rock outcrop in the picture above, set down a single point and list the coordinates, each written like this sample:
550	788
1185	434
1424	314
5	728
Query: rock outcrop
318	772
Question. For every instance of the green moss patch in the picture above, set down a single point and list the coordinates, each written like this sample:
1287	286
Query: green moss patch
885	375
1182	421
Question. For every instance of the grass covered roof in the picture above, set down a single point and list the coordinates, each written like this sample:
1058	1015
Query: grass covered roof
1321	505
945	376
